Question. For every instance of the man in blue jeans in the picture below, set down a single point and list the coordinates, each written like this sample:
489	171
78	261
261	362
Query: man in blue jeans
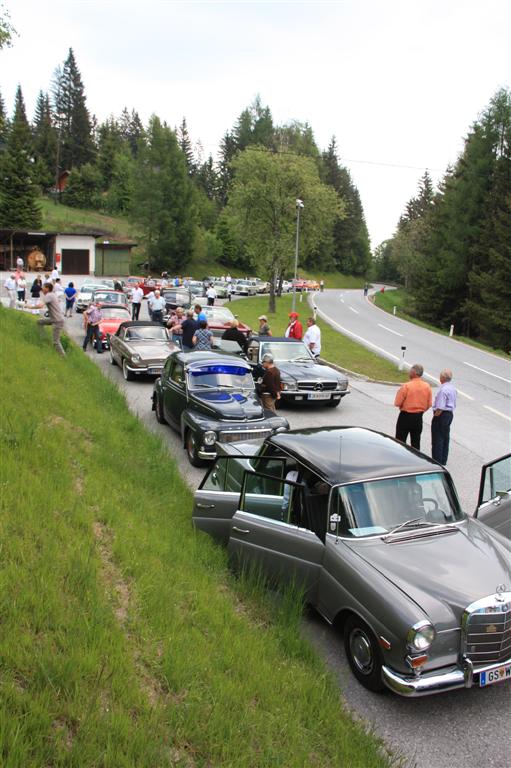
93	317
443	413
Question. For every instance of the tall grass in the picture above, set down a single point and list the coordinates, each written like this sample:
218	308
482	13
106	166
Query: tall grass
124	639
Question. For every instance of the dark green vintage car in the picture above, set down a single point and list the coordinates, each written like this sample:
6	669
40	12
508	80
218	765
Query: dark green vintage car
374	533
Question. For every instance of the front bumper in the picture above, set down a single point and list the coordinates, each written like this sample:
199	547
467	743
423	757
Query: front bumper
149	370
302	396
463	676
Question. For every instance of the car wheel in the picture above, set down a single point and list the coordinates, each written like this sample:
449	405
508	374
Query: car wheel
113	361
128	375
191	450
158	408
333	403
364	654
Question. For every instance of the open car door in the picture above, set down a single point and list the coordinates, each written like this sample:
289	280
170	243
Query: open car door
218	496
494	503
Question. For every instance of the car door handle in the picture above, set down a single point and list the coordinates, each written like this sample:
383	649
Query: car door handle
205	506
240	530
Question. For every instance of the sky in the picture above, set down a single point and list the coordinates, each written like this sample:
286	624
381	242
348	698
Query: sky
398	83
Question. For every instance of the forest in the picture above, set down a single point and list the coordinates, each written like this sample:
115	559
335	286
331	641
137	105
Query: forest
451	248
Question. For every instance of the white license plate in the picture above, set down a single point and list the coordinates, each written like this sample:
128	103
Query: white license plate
495	676
154	371
318	396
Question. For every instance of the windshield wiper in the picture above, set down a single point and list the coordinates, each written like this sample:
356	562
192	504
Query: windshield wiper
416	522
206	386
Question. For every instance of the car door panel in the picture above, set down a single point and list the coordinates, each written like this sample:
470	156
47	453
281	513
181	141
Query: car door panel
494	503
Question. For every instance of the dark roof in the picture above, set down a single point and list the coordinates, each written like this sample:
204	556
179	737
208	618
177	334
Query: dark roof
196	359
39	233
348	454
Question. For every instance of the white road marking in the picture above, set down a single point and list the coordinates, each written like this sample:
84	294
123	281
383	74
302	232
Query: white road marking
508	381
389	330
355	336
503	415
354	310
464	394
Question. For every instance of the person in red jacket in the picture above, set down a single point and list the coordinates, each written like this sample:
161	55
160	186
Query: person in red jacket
294	330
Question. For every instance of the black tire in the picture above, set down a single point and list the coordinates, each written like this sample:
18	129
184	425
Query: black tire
158	409
113	361
128	375
333	403
364	653
191	449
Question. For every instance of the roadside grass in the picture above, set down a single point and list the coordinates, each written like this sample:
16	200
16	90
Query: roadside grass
125	640
403	301
63	218
335	346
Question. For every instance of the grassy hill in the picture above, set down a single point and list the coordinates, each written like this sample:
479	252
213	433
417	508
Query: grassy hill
125	640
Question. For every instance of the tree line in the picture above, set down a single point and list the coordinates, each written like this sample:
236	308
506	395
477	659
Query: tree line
452	247
237	209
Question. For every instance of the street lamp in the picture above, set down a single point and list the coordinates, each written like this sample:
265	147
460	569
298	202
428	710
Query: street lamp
299	206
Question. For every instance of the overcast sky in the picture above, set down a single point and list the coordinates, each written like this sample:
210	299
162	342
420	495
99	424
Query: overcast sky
398	83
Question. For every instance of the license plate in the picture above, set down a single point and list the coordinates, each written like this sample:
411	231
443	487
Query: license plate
154	371
495	676
318	396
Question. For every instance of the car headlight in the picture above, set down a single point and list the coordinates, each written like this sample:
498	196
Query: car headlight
342	383
136	358
287	384
420	636
209	438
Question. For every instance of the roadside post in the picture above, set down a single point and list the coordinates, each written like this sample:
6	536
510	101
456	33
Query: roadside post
402	361
394	311
451	331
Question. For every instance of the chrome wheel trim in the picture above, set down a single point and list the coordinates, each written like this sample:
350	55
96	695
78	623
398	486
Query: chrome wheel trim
361	651
125	371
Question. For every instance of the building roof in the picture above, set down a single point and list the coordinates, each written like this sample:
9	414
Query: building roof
351	454
33	233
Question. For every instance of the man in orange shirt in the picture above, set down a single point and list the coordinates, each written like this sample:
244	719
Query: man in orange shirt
413	399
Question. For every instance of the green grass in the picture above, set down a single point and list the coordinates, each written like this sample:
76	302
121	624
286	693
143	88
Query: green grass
125	640
403	301
335	346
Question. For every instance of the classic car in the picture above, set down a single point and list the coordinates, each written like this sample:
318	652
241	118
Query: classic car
299	285
372	532
103	296
494	502
113	315
132	282
196	288
177	297
210	398
221	288
219	319
303	378
244	288
140	347
84	297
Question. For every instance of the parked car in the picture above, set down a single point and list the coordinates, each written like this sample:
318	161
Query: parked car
84	297
494	502
221	289
113	315
140	347
373	532
196	288
150	284
245	288
219	319
132	282
177	297
105	296
299	285
210	399
303	378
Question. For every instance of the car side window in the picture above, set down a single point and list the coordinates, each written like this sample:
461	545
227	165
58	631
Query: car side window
177	374
274	499
496	479
167	368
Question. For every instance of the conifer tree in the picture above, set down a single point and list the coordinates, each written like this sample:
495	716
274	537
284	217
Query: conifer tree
45	141
19	207
110	143
72	117
3	123
184	141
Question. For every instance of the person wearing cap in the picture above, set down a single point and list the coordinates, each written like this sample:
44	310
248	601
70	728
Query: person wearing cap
294	330
264	328
234	334
269	387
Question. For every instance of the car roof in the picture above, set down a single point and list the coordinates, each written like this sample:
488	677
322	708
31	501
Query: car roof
198	359
348	454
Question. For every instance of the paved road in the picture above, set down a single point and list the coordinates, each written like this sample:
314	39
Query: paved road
464	729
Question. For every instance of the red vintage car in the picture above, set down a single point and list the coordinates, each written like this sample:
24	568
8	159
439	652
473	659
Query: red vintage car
219	320
113	316
105	296
131	282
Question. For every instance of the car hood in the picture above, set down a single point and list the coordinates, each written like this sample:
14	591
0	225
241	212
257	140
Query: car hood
308	370
228	405
112	324
153	350
443	574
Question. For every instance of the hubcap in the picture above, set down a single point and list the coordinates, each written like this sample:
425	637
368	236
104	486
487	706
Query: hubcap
361	652
191	445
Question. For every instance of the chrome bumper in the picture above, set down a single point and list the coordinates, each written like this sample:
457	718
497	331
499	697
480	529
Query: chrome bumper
436	682
206	455
145	369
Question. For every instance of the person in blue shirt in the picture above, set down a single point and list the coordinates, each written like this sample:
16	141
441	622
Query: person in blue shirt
443	413
70	293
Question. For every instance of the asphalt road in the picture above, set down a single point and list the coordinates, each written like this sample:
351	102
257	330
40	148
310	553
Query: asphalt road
464	729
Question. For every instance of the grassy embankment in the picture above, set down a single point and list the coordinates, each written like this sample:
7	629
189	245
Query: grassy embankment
125	640
403	301
335	347
62	218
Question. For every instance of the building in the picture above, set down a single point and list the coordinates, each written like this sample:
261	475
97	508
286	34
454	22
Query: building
113	258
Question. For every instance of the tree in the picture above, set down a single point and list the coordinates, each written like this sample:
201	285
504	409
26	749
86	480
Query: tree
254	127
19	208
3	123
184	141
45	142
110	143
120	194
7	31
296	137
228	151
262	208
83	187
163	199
71	115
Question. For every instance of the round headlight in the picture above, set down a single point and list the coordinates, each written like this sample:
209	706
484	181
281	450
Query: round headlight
420	636
136	358
209	438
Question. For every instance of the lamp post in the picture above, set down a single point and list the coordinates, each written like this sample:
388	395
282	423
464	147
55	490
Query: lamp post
299	206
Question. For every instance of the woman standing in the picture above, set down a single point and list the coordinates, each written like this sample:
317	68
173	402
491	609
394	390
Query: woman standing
35	292
21	287
202	337
71	294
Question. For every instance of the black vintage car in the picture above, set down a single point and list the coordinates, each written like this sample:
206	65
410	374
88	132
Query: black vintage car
210	398
303	378
177	297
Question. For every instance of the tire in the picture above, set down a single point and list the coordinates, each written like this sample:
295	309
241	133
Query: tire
113	361
364	654
158	409
128	375
334	403
191	450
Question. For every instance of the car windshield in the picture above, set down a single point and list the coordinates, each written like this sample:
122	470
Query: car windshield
220	376
89	288
181	297
218	314
147	332
285	351
377	507
115	312
110	298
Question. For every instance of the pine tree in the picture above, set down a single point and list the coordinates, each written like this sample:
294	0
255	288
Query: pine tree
184	141
110	143
45	142
73	119
228	151
3	123
19	207
207	178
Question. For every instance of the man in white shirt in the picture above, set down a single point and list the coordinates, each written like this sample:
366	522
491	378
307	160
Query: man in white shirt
312	337
58	290
211	295
54	274
11	287
157	305
137	295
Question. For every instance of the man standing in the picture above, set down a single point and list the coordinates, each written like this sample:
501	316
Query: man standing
413	399
443	413
312	337
188	328
211	295
264	328
92	318
137	295
54	274
269	388
157	306
11	287
55	319
294	330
